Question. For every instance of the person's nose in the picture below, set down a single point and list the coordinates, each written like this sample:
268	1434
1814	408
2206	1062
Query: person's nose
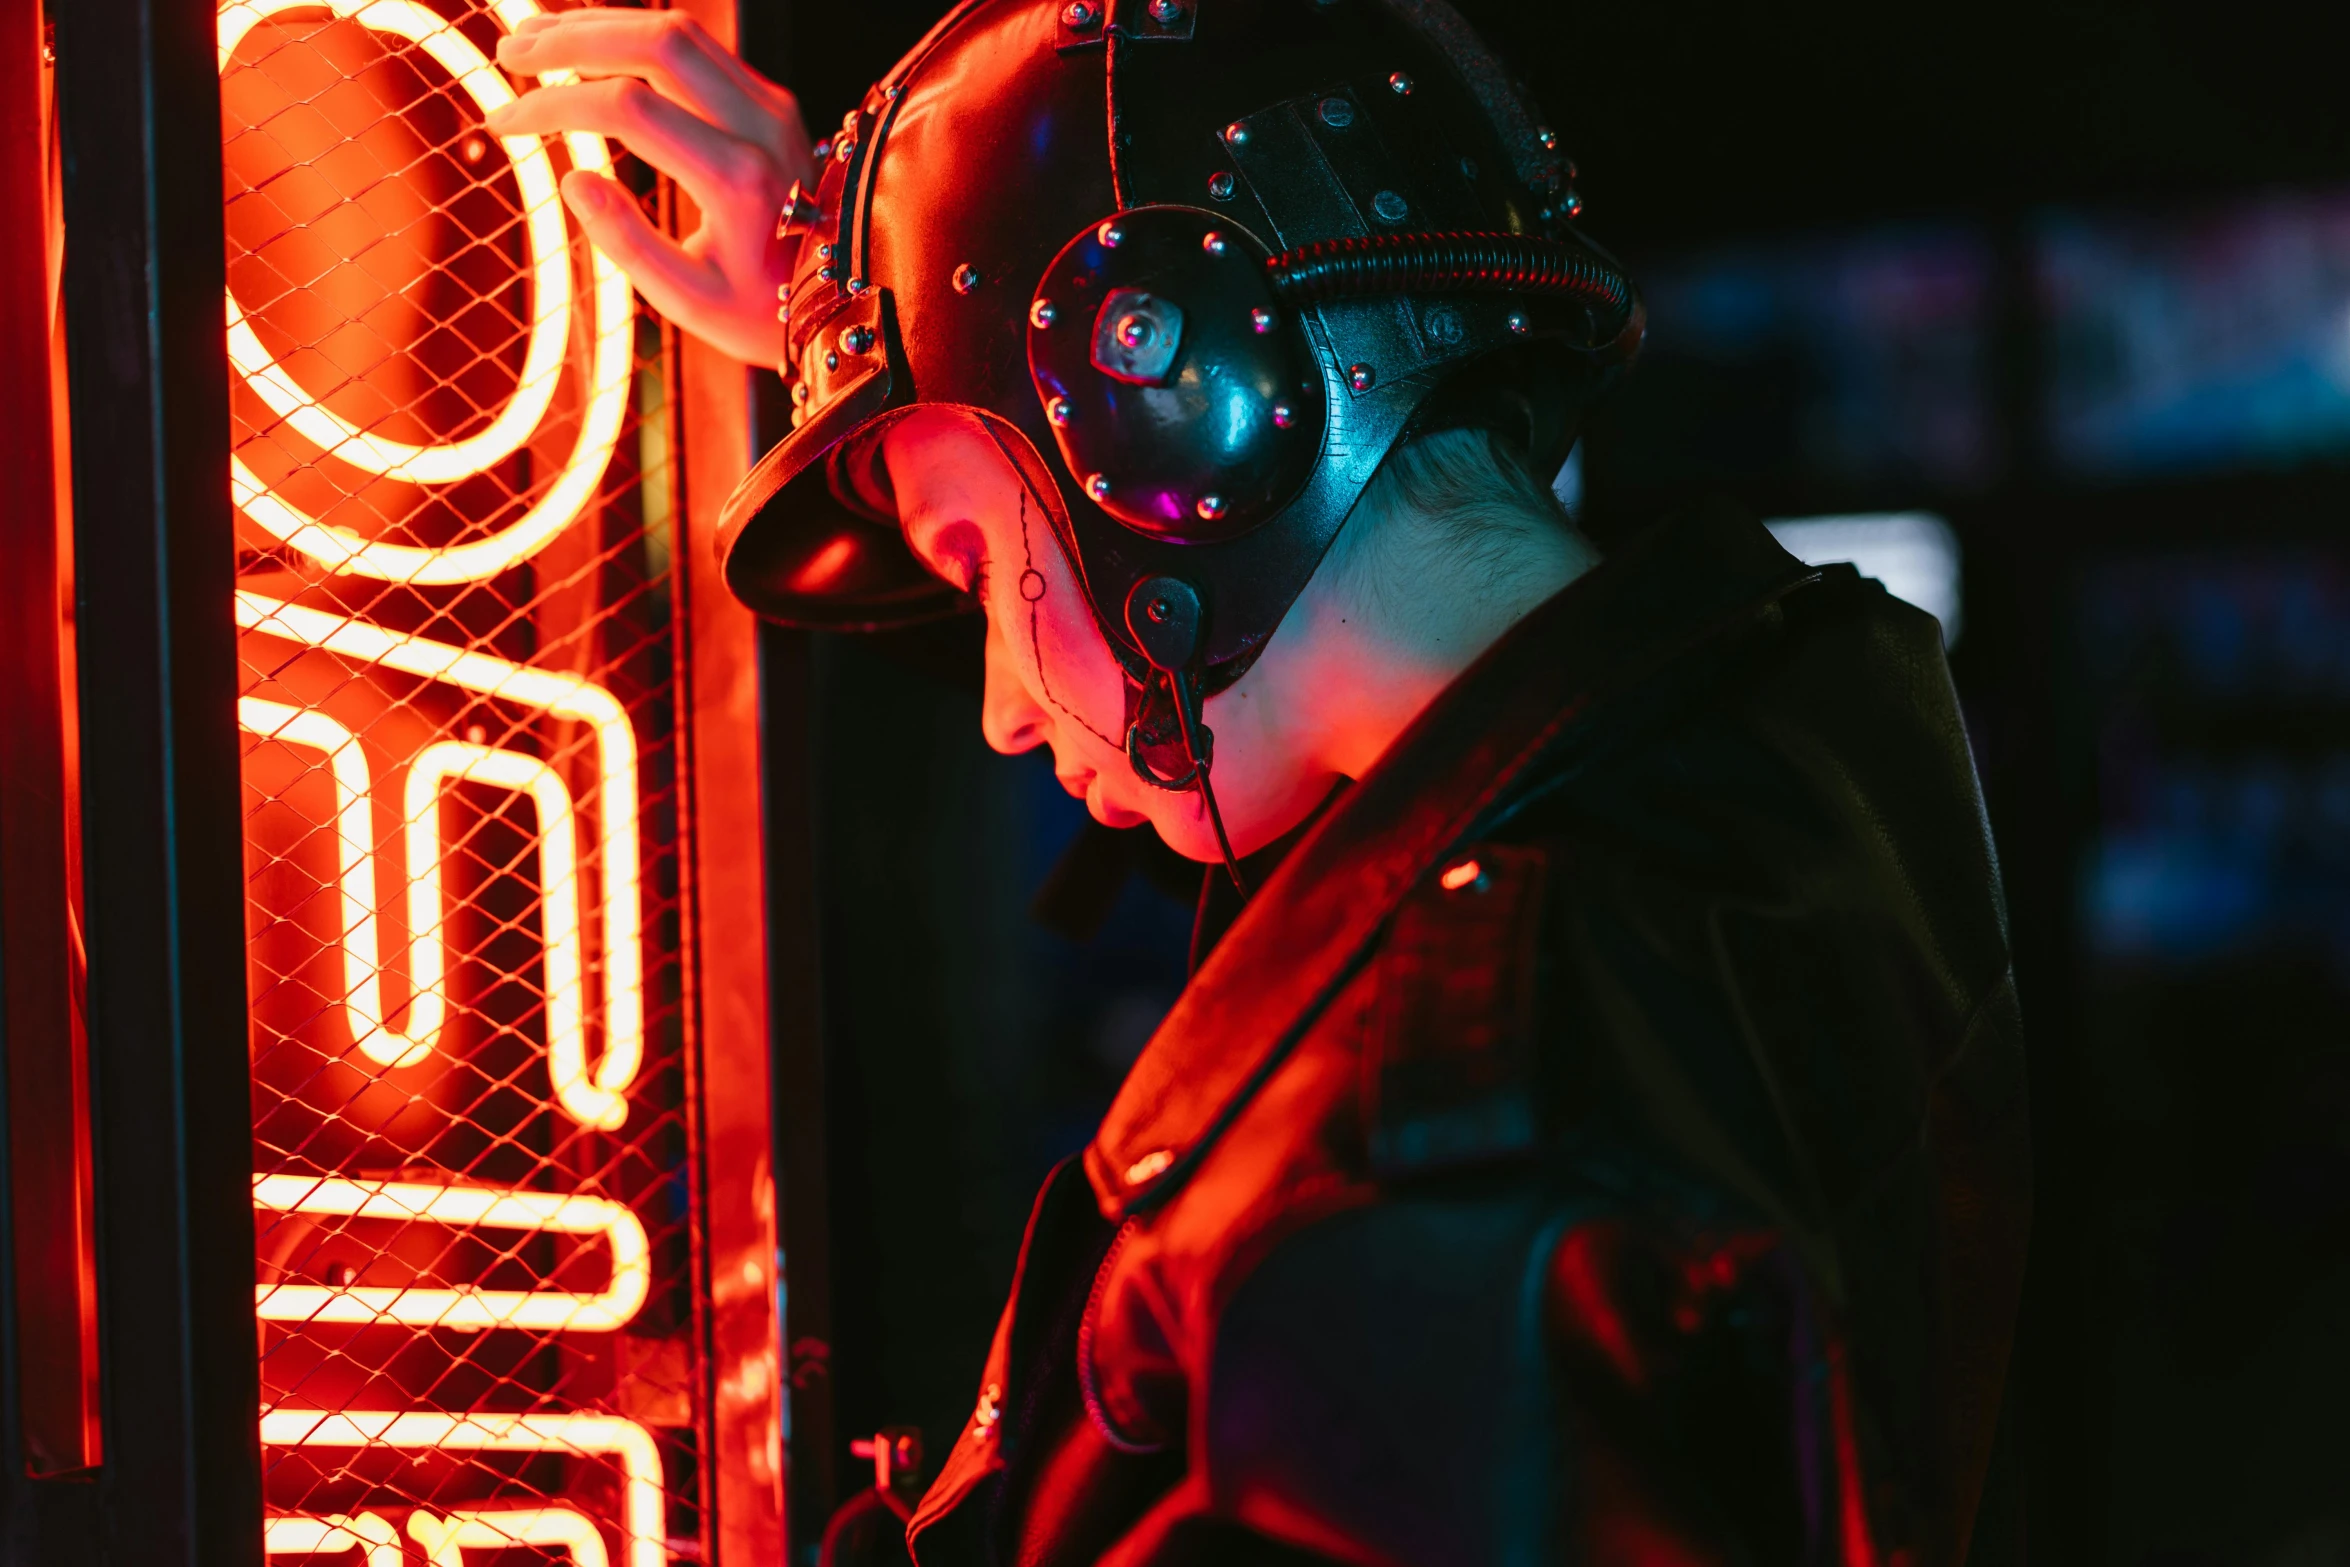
1008	716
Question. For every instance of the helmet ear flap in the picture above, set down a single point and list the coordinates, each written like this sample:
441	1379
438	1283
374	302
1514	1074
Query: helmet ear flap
1036	478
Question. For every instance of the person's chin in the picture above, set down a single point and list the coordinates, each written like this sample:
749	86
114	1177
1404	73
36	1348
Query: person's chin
1184	828
1107	811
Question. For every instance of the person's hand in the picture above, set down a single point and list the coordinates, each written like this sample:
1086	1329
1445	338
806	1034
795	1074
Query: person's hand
663	87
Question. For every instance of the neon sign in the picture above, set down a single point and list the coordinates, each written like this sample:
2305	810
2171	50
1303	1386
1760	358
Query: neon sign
340	549
593	1098
418	1202
624	1441
442	1539
503	1184
371	1535
355	834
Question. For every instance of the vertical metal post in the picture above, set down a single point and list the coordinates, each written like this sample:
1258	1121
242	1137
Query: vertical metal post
52	1296
731	996
728	900
139	100
804	1205
802	1151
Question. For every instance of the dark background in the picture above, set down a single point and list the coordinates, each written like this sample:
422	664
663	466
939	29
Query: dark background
2155	665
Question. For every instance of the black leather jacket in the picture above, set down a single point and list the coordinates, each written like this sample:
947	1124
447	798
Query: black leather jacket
1602	1140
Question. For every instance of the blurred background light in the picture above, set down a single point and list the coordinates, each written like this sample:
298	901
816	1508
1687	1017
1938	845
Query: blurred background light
2218	342
1913	553
1853	358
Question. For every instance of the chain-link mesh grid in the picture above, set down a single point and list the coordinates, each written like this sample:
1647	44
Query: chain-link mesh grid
474	1201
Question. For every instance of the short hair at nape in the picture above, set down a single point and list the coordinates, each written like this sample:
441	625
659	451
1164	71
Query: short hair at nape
1463	501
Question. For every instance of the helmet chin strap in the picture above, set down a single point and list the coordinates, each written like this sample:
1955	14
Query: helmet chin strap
1164	616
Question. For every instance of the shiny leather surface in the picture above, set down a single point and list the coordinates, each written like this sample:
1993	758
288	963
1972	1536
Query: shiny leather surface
1680	1219
1002	138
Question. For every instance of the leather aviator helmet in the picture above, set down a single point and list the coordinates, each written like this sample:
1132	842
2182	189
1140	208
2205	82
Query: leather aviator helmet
1198	266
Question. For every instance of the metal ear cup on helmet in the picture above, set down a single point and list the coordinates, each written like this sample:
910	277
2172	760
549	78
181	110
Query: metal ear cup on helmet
1189	405
1181	393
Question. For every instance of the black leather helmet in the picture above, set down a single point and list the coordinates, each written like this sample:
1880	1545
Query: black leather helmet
1198	264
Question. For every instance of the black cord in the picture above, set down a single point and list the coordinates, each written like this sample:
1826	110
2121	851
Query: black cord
1182	691
1184	695
1207	792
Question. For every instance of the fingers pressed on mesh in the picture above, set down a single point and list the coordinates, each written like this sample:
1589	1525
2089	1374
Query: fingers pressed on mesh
671	52
673	283
713	167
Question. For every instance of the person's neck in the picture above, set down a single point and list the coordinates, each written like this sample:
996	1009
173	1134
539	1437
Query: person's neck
1384	643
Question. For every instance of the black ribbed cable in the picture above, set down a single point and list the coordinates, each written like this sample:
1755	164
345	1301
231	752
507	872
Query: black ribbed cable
1464	263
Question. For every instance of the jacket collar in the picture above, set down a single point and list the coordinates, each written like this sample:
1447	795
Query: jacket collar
1551	683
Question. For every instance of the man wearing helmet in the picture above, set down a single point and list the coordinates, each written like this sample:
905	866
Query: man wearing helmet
1594	1129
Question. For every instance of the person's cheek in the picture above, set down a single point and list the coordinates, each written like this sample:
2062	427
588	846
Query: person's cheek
1069	666
1086	678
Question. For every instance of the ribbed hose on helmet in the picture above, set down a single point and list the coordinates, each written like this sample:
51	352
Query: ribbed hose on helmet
1447	264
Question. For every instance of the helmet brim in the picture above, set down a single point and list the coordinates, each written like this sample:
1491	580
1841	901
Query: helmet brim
797	554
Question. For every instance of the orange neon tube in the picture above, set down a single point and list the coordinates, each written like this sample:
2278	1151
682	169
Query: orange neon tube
594	1097
606	402
624	1441
558	841
444	1540
468	1307
356	882
297	1534
427	959
550	268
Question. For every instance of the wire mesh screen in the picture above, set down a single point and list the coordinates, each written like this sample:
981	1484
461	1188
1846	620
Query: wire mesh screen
475	1201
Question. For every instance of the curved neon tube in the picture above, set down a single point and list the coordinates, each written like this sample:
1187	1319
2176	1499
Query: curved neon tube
594	1098
468	1307
444	1539
363	1006
624	1441
300	1534
610	363
550	268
